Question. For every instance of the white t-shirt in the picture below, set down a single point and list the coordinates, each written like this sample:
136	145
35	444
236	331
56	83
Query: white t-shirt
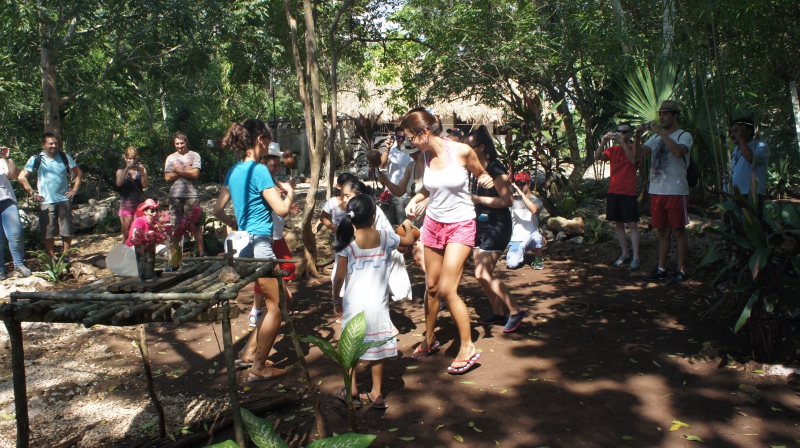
278	223
525	222
6	191
667	172
396	165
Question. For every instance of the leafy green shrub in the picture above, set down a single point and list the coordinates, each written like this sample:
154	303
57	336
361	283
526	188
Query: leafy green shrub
596	232
109	224
262	434
755	255
782	174
53	269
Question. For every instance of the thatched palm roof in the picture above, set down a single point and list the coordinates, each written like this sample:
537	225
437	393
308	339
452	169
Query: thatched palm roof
374	100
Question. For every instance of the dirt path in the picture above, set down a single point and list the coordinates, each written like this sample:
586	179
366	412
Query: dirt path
604	359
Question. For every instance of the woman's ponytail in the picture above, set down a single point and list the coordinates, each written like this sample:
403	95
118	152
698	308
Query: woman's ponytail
344	233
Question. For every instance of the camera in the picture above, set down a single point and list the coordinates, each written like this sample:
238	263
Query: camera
648	127
614	135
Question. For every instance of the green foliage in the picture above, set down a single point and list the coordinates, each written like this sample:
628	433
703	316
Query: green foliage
352	347
754	255
782	176
53	271
596	232
262	434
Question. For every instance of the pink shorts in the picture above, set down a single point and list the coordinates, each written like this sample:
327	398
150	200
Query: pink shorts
437	235
127	208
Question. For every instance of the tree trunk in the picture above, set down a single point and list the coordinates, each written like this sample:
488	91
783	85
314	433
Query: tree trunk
572	137
616	6
668	26
50	102
796	110
334	111
309	264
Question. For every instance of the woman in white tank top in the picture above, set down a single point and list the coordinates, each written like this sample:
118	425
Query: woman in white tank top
449	229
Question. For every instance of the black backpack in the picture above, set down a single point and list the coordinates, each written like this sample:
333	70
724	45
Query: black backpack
692	171
37	162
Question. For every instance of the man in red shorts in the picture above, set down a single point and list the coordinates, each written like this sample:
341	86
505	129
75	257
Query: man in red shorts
669	189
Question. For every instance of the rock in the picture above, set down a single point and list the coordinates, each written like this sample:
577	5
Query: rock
79	269
781	370
574	226
560	236
548	235
100	263
22	284
228	275
576	240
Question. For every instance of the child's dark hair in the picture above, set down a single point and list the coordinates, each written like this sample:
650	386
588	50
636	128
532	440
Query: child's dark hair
341	180
362	209
358	187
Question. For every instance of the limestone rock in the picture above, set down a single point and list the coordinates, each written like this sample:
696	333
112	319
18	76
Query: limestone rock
22	284
548	235
100	263
228	275
576	240
574	226
80	269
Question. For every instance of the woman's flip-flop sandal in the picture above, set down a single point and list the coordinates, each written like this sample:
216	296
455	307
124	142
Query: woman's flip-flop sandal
420	354
253	377
340	394
369	401
465	368
241	364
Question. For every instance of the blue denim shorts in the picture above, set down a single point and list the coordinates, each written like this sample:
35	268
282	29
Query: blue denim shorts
260	246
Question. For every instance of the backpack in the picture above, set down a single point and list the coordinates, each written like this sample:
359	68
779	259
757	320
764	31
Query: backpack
692	171
37	162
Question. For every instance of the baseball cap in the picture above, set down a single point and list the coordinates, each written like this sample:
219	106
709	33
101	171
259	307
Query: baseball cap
746	121
456	132
522	176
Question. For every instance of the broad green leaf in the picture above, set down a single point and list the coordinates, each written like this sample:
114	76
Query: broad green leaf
261	432
349	440
364	346
769	302
754	230
225	444
148	425
758	260
746	311
324	346
352	337
459	438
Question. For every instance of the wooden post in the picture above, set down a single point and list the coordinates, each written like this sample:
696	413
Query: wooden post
301	358
14	328
233	392
151	388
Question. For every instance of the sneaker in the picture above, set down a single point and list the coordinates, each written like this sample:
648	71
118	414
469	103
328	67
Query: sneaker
636	264
622	260
514	321
493	319
3	274
657	274
538	263
679	277
252	319
22	270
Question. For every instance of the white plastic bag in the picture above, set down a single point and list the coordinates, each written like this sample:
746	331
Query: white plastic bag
121	260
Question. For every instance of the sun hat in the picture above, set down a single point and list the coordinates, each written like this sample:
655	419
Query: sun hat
147	204
522	176
407	148
669	106
274	150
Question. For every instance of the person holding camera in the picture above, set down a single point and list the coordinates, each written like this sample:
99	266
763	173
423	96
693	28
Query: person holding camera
747	153
132	180
53	167
9	217
669	188
525	235
622	206
394	160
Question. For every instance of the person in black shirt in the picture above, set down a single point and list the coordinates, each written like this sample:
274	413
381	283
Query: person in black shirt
493	233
